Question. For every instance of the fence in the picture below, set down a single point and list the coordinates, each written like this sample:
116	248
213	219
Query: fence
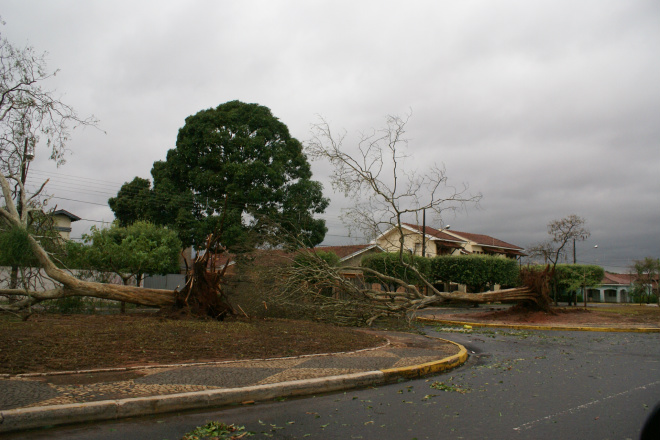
168	282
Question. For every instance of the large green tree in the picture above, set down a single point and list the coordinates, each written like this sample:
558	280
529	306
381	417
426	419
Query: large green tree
235	162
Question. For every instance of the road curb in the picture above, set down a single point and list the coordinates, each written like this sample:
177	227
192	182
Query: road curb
544	327
43	416
430	367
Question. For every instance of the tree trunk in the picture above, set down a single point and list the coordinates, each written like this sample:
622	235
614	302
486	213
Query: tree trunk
201	296
72	286
13	278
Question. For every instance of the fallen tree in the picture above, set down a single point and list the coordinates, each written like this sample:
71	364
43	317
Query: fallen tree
33	119
384	196
326	293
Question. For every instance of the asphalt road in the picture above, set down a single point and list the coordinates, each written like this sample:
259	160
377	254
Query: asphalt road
517	384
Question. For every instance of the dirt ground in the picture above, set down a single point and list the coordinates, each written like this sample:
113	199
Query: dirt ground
51	342
601	316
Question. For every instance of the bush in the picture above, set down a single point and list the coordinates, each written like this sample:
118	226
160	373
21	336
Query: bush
477	272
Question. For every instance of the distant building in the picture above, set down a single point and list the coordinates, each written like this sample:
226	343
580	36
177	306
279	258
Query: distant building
616	288
445	242
62	220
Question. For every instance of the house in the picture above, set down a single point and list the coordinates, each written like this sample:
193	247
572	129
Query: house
433	242
616	288
62	220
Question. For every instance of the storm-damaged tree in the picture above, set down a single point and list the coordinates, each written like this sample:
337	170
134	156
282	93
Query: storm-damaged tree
33	121
562	232
384	196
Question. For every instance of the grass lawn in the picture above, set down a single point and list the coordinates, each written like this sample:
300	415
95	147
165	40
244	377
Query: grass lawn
643	313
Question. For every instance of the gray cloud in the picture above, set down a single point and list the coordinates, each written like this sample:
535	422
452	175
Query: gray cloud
548	108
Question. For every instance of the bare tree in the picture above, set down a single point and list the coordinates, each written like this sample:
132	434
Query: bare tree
562	232
385	195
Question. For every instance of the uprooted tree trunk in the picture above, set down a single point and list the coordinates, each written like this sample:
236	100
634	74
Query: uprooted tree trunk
202	295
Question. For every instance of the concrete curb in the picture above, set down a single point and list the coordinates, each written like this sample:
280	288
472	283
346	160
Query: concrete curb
39	417
430	367
544	327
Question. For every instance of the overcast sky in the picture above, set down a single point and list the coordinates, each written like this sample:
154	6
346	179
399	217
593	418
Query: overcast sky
547	108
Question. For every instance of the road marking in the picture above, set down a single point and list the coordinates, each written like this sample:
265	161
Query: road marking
529	425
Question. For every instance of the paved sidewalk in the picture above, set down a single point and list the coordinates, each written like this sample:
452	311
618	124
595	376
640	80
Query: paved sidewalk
29	401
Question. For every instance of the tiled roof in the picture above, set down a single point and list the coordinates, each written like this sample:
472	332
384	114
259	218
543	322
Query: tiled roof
64	212
344	251
486	240
433	232
481	239
624	278
617	278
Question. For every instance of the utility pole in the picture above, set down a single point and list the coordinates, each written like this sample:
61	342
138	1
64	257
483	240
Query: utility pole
424	232
574	259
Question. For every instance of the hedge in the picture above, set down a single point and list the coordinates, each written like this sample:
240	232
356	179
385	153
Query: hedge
477	272
389	264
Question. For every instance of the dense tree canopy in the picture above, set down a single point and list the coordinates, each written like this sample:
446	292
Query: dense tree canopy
134	202
236	161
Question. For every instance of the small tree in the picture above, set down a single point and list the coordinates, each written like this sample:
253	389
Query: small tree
134	202
574	277
646	272
562	232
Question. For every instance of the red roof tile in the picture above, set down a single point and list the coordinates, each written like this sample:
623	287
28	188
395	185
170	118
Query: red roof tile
343	251
481	239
